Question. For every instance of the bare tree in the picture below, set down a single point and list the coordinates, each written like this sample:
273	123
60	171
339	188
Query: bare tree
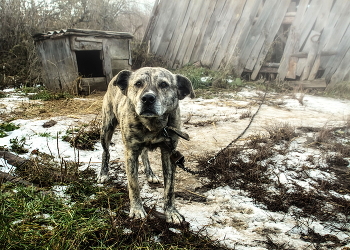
20	19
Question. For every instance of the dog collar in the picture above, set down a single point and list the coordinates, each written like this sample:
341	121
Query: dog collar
183	135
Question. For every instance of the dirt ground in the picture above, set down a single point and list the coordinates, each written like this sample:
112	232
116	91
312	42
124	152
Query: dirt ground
213	123
231	213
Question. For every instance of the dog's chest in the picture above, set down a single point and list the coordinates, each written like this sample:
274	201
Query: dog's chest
138	131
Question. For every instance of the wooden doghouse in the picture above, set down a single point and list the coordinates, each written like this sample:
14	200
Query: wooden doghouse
81	60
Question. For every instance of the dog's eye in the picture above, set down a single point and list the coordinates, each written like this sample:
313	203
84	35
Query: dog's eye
138	84
163	85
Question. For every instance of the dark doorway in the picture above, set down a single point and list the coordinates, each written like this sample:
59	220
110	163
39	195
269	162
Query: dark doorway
89	63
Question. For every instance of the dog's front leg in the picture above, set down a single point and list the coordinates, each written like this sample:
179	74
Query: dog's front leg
136	209
171	213
151	177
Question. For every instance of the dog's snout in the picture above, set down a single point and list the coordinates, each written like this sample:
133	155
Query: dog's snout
148	98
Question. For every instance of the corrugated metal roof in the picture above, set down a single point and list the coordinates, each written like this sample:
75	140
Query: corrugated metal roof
81	32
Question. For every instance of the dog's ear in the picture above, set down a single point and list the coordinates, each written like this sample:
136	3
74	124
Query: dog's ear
122	80
184	87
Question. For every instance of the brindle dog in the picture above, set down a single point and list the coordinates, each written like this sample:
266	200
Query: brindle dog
143	103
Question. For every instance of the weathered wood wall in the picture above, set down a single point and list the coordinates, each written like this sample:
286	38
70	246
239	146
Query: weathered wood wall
58	53
59	65
237	36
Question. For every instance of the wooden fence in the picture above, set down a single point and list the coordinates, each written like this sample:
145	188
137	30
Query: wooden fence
296	39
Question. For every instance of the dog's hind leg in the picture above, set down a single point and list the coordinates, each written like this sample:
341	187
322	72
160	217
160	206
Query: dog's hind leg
151	177
108	126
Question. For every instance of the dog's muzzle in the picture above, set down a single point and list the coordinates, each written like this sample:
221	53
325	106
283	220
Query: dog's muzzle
149	105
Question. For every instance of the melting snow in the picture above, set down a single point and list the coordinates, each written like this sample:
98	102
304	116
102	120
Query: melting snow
228	215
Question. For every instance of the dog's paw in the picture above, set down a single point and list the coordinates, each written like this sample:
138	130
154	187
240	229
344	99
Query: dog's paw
137	213
153	179
173	216
102	178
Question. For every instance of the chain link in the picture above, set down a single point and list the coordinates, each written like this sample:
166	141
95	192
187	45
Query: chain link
212	159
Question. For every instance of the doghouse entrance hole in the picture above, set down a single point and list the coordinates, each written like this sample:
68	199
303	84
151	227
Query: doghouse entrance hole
89	63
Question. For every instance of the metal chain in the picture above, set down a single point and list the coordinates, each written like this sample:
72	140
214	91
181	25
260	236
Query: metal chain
211	160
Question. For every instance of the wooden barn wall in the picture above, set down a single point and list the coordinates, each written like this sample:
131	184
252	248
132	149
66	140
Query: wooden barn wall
237	35
59	64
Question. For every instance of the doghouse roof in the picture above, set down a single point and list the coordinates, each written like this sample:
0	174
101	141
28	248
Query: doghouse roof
81	32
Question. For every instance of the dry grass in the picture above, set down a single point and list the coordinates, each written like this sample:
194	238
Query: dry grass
240	167
85	136
281	131
65	107
41	169
299	94
338	90
246	114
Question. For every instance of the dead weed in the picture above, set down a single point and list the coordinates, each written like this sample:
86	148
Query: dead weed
241	167
85	136
42	169
281	131
64	107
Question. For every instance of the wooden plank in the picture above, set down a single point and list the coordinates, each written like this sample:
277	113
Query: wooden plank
292	8
193	12
263	70
322	20
252	43
316	84
178	34
208	34
176	38
152	21
192	31
171	25
330	36
314	41
308	22
195	56
86	39
107	62
221	27
119	65
347	76
288	20
288	63
87	85
59	64
116	56
161	31
333	25
310	45
241	35
6	177
271	30
119	48
342	48
305	44
231	27
323	15
243	25
343	68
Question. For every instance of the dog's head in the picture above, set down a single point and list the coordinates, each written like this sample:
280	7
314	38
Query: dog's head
153	91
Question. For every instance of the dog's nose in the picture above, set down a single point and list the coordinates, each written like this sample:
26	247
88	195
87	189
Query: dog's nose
148	98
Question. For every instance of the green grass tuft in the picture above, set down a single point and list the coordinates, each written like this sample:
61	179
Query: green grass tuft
202	77
33	218
7	127
18	145
46	95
